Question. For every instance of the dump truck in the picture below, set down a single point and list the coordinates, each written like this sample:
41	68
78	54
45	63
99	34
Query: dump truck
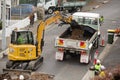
52	5
80	37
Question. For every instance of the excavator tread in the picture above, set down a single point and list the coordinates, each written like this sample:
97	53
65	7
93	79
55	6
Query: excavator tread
25	65
34	65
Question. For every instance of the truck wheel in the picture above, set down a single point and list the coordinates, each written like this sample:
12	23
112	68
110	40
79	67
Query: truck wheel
50	11
78	9
64	56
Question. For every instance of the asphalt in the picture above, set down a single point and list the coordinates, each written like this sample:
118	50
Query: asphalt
109	54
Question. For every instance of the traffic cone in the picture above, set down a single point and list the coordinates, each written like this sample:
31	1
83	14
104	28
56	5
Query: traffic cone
95	57
102	42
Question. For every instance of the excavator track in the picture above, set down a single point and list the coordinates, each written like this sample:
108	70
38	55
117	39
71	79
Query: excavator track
25	65
34	65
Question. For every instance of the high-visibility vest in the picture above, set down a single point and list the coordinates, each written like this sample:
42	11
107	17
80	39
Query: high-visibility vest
97	67
101	19
20	40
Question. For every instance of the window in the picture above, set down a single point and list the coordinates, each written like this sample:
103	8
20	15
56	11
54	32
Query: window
22	37
87	20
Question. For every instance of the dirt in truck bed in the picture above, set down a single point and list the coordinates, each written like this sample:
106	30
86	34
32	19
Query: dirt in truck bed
78	33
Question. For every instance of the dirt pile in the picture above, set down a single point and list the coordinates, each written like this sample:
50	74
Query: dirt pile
76	34
16	75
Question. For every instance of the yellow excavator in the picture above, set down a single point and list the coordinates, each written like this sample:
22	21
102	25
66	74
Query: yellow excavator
26	55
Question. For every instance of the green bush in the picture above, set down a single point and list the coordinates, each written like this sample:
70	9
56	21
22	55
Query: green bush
0	25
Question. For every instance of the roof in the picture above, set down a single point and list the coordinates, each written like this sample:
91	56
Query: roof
86	14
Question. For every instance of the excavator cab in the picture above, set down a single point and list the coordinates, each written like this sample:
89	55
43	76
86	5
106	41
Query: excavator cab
22	37
22	46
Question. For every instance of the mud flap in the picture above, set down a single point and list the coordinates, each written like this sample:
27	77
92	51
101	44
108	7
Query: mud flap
84	58
59	56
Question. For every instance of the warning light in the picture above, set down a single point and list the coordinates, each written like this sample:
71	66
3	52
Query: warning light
82	44
60	42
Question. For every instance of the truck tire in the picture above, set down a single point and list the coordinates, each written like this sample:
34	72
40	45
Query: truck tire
78	9
64	56
50	11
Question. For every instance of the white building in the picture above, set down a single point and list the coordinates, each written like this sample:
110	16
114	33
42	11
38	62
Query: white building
8	6
9	3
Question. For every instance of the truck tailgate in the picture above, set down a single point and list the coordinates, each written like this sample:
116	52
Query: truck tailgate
70	43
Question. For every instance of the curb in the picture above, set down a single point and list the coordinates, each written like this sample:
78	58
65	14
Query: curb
89	74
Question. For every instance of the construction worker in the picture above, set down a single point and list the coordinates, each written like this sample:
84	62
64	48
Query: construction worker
102	72
20	39
31	17
101	20
97	67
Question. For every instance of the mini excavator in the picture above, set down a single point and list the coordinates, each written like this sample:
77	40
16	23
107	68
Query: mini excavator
27	54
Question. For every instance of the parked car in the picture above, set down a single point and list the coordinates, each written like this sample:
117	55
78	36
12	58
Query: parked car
22	9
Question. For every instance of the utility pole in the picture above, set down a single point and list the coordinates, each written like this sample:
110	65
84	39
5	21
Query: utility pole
4	25
0	8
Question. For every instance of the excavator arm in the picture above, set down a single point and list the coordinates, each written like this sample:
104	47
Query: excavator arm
44	23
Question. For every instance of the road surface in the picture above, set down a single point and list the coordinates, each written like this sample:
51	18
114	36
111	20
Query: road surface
71	69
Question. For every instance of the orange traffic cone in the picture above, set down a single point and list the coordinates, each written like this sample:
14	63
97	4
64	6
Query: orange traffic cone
102	41
95	57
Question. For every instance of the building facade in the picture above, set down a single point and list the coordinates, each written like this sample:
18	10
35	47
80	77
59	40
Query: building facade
9	4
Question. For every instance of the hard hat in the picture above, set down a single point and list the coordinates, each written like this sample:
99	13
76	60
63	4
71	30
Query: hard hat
21	77
98	61
102	67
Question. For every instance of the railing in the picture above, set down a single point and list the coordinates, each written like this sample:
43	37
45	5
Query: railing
20	24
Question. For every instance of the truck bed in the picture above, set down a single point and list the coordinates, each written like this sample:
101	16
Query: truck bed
78	33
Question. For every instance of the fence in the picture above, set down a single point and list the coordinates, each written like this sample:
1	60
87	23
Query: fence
19	24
